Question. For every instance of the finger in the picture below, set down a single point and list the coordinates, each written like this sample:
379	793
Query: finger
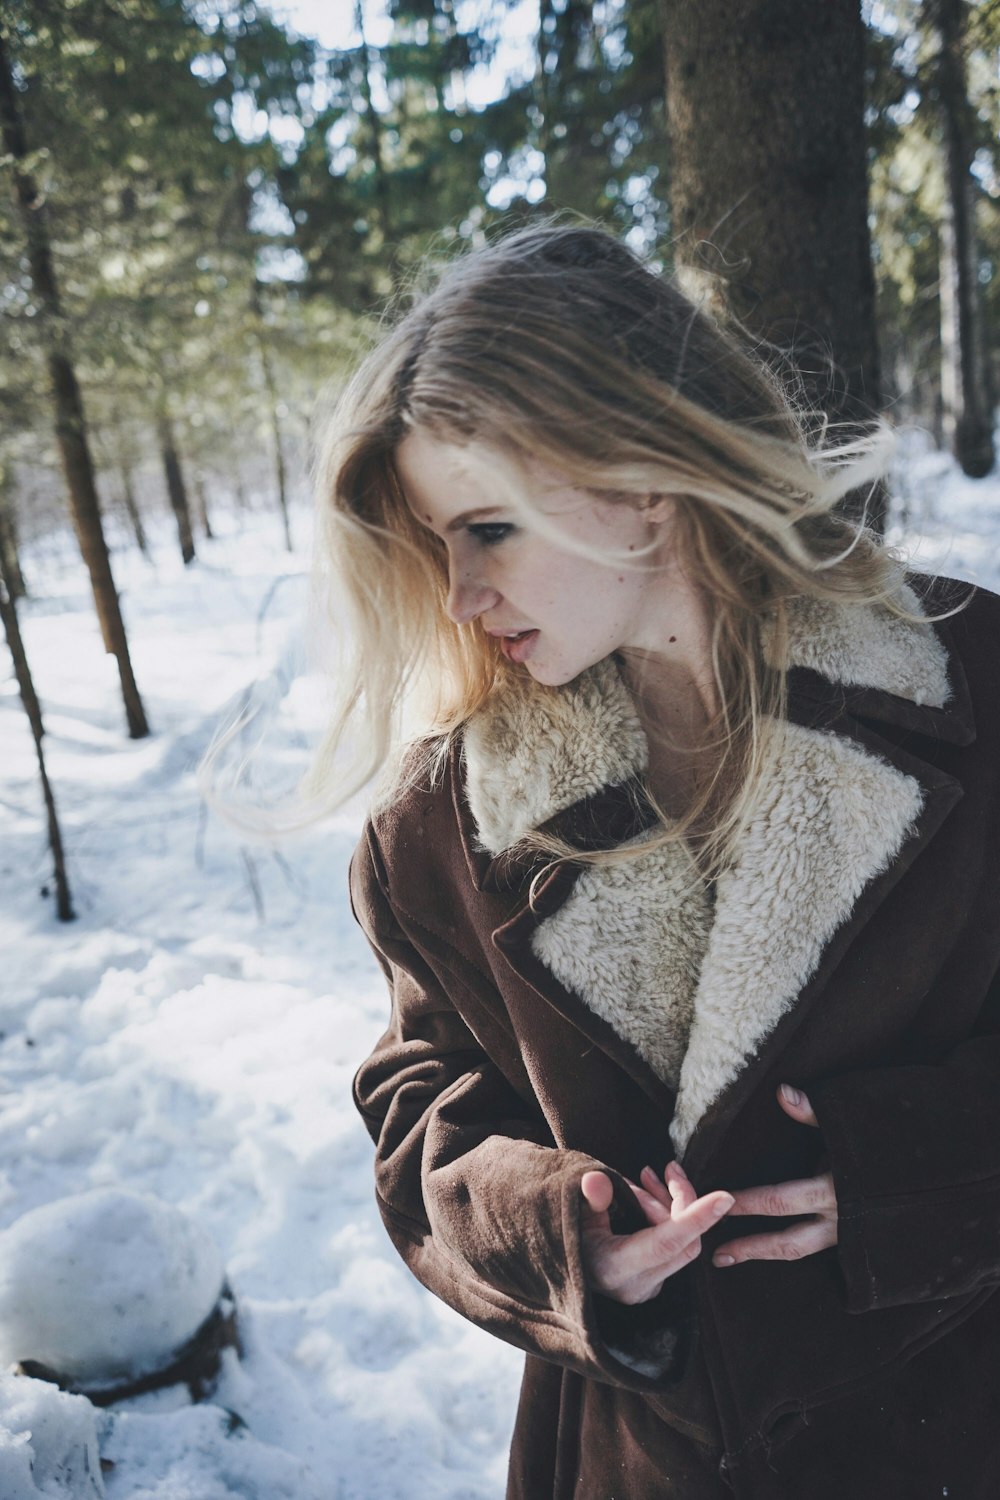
655	1185
679	1186
806	1195
787	1244
598	1193
651	1206
658	1246
794	1102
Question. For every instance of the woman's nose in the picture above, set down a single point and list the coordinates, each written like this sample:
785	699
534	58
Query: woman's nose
467	598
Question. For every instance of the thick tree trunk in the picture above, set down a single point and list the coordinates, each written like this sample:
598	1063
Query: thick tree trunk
175	485
29	698
70	425
769	184
965	383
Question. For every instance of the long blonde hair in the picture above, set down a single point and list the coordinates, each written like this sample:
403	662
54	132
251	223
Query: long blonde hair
556	345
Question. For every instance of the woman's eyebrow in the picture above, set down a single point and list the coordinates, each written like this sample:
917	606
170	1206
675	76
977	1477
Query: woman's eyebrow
470	515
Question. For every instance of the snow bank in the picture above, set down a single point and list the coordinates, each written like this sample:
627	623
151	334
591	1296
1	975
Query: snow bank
104	1287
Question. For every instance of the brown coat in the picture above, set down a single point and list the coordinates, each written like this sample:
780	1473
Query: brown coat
853	950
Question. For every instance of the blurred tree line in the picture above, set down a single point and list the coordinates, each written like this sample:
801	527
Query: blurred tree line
205	213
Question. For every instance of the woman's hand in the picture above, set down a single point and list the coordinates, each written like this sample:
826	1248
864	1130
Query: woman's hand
809	1195
632	1267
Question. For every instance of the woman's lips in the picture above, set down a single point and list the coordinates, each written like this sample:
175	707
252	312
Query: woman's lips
518	648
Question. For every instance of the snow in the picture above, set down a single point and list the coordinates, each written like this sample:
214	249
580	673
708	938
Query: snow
104	1287
48	1443
192	1036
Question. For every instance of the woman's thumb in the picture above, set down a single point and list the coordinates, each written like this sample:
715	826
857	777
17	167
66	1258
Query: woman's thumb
598	1190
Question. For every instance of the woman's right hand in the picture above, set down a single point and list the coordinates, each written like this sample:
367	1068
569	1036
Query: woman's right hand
632	1267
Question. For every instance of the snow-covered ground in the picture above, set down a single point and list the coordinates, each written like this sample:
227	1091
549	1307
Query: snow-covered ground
193	1035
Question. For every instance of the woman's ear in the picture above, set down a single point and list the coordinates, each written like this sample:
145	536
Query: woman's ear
657	508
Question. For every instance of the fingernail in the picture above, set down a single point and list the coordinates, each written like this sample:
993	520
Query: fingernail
645	1170
723	1260
723	1206
790	1095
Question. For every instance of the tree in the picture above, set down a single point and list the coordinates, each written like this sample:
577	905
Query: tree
29	699
67	402
966	397
768	192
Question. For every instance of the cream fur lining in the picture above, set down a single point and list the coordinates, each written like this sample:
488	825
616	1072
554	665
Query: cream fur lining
541	750
864	646
833	816
697	994
630	940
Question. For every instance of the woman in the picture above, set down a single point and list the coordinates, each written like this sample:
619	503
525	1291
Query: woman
687	897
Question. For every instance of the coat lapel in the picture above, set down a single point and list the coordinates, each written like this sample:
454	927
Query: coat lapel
695	992
832	817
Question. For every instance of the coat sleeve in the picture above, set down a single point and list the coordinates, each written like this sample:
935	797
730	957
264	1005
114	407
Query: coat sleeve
915	1156
476	1197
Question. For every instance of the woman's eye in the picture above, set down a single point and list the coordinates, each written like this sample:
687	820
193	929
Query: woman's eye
490	532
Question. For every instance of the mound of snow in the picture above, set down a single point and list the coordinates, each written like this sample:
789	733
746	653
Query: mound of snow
48	1443
104	1287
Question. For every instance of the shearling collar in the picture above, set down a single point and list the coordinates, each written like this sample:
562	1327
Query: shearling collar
531	756
694	987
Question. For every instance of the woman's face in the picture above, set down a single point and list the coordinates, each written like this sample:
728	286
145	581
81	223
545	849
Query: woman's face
511	579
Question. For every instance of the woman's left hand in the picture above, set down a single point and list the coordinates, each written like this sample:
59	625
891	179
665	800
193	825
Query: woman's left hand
808	1195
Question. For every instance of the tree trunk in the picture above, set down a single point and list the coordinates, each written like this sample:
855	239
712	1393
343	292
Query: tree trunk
70	425
202	499
272	406
968	415
374	129
29	698
769	185
10	562
175	485
132	507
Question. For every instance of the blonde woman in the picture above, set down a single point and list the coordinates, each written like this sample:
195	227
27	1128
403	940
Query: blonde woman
686	892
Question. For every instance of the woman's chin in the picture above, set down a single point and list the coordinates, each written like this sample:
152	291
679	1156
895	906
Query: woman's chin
554	674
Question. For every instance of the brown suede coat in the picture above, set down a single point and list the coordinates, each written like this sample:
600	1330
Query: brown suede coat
856	954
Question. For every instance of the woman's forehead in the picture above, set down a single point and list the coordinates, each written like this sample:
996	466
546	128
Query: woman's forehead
436	473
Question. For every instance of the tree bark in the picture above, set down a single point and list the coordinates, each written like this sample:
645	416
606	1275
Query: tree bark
965	393
769	185
175	485
70	424
132	506
29	698
202	499
10	561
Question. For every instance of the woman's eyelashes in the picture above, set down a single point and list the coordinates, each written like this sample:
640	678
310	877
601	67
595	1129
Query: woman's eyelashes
490	532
